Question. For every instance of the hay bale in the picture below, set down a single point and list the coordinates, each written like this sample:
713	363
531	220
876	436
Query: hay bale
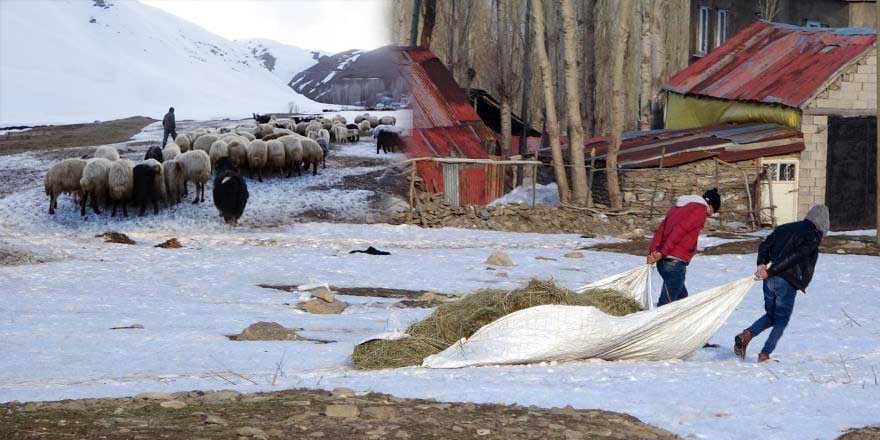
459	319
171	243
115	237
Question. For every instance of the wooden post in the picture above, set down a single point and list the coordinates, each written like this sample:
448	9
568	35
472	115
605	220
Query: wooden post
720	217
534	179
412	190
659	171
770	195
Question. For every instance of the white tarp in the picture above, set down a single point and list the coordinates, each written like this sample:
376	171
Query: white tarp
632	283
564	333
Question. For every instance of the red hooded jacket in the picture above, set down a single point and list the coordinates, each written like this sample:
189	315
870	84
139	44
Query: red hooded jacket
678	233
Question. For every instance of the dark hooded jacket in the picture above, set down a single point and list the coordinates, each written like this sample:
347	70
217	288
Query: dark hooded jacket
168	122
793	248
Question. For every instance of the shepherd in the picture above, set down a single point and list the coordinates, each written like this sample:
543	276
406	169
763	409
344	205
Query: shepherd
793	250
675	241
170	126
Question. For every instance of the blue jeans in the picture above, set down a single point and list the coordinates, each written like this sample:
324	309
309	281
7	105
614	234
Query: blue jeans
673	272
778	303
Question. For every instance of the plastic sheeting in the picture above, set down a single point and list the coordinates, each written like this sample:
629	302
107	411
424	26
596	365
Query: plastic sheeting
565	333
694	111
632	283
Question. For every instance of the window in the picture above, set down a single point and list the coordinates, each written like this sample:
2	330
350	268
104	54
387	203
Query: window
721	28
781	172
703	31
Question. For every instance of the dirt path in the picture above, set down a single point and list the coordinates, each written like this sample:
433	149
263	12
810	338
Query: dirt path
306	414
76	135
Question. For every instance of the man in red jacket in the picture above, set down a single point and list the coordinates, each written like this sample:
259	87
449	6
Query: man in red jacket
675	241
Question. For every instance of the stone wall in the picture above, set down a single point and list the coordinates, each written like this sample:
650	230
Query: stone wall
855	90
638	187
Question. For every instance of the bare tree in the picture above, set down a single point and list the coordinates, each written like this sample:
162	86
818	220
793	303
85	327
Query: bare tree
503	49
551	124
768	9
573	107
618	51
429	16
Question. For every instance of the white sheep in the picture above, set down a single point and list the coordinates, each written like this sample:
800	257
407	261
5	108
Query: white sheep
121	183
63	177
388	120
204	142
95	183
340	119
364	126
341	134
312	155
293	154
184	141
283	131
219	150
170	151
247	135
107	152
358	119
301	128
324	134
196	167
258	155
264	130
374	121
174	181
276	159
160	179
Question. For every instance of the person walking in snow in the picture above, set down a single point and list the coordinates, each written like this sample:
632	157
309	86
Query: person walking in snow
675	241
170	126
791	251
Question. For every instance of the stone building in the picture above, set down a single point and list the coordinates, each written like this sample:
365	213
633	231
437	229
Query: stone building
821	81
656	167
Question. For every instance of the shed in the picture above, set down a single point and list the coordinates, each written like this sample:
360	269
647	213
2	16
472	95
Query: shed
658	166
445	125
821	81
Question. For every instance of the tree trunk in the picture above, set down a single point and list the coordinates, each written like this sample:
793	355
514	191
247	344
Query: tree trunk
414	24
428	18
618	51
573	107
551	124
527	81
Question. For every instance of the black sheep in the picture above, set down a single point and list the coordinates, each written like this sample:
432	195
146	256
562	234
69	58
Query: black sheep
230	195
154	152
355	137
145	188
262	119
387	141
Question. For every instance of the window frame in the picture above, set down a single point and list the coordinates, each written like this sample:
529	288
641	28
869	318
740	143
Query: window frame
722	26
704	20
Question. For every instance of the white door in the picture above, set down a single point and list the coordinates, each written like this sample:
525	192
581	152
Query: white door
783	176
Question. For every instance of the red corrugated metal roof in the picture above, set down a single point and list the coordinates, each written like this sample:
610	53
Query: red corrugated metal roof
773	63
729	142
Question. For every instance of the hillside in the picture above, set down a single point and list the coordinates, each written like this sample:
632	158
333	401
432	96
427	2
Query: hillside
283	60
351	76
68	61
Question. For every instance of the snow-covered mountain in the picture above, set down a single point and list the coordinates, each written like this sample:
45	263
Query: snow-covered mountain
65	61
283	60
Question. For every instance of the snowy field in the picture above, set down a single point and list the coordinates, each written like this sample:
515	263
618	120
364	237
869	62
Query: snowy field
55	317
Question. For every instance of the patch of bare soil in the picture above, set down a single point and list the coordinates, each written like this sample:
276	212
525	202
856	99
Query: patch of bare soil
76	135
833	244
10	256
867	433
379	292
306	414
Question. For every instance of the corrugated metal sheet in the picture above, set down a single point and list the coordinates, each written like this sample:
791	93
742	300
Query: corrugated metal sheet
450	178
773	63
445	125
731	143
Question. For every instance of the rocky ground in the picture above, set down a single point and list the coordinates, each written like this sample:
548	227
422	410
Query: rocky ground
306	414
75	135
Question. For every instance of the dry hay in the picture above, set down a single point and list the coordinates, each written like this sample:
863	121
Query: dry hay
459	319
116	237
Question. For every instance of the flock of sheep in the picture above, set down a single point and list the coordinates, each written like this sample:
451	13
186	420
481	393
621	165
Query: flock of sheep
275	146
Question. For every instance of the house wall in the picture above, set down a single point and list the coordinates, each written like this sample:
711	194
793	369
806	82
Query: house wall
638	186
853	92
863	15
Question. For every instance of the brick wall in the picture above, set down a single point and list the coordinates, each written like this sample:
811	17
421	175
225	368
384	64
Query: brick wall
855	89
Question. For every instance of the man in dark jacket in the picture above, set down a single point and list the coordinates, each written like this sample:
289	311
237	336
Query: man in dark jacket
675	241
793	249
170	126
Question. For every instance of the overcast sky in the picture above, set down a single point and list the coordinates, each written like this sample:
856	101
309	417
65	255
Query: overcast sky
327	25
